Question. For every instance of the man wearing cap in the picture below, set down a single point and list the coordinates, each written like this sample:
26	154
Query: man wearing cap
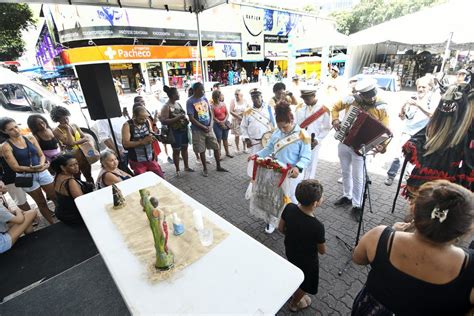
351	163
461	76
314	118
256	121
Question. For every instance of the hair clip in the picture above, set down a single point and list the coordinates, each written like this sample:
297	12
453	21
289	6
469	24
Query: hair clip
440	214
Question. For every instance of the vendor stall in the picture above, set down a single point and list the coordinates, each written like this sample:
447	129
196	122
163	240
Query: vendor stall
424	34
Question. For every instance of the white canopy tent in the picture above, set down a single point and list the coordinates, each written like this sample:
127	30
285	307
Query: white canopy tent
173	5
430	28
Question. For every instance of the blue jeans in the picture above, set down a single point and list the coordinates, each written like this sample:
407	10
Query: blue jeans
221	134
394	167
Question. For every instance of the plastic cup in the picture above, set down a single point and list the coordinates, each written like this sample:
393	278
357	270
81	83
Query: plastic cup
206	236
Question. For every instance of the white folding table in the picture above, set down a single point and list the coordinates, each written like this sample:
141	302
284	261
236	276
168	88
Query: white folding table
238	276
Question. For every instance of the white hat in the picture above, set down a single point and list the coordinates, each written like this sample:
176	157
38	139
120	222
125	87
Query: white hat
365	85
308	90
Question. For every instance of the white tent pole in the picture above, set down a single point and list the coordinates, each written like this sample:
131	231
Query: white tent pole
201	60
446	51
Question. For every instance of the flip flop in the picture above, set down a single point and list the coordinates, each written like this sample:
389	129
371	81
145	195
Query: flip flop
307	299
189	170
299	306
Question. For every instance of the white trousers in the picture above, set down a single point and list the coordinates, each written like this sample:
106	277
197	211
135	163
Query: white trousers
352	166
310	171
255	148
292	184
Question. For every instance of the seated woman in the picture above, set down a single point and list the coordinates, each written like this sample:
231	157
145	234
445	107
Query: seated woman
67	188
40	129
71	136
421	273
12	225
110	173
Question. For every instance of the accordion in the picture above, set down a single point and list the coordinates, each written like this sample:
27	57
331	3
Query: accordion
359	130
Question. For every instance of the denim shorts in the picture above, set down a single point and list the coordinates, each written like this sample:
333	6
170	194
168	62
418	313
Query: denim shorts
5	242
221	134
180	138
40	179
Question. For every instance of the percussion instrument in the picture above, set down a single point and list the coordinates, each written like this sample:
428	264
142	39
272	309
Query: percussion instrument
266	138
269	190
359	129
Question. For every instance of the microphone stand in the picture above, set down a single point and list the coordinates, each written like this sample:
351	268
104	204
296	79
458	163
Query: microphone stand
365	195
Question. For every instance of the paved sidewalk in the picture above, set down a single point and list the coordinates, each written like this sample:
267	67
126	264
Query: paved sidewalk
224	194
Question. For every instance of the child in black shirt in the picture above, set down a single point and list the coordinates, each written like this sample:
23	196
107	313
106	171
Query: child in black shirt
304	239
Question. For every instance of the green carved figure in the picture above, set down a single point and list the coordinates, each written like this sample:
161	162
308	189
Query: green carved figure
159	228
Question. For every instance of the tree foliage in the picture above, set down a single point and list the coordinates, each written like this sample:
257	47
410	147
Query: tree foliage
368	13
14	18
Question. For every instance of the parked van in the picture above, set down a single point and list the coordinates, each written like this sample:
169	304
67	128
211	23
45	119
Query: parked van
20	97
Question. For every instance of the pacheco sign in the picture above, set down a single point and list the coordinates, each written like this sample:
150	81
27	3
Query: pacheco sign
137	53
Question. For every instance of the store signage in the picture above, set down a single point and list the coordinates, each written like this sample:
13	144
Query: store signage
252	33
117	31
227	51
46	50
137	53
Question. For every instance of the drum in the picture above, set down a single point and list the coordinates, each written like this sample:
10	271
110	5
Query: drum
269	189
266	138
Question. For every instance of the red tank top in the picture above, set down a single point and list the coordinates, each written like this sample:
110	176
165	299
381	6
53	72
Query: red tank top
220	112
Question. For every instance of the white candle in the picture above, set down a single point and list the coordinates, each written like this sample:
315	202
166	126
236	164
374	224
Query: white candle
198	223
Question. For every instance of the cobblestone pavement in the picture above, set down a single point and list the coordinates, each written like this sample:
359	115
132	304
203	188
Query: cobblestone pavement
224	194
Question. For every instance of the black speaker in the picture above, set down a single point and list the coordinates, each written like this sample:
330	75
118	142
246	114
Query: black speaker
99	91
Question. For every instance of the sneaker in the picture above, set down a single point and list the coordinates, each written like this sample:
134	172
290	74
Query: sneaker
339	180
220	169
343	201
245	151
170	160
388	181
205	173
269	228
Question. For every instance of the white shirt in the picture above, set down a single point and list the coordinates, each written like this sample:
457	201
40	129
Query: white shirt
104	130
252	126
415	119
321	127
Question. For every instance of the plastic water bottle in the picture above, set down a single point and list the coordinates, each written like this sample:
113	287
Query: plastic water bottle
178	227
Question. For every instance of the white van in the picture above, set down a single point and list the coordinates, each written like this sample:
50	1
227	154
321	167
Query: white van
20	97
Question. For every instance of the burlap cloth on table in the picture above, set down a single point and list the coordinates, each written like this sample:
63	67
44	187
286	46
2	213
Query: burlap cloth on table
133	224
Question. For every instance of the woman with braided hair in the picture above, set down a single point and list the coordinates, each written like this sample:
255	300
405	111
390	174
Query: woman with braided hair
421	273
444	149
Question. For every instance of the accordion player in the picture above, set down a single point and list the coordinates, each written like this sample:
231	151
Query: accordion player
366	114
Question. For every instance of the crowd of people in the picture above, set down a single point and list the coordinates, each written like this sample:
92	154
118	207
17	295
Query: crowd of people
421	268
